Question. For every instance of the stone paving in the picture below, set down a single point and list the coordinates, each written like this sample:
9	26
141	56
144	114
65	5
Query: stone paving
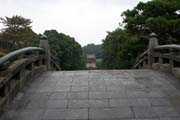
98	95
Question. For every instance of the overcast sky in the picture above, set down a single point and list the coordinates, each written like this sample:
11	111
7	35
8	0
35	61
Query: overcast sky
85	20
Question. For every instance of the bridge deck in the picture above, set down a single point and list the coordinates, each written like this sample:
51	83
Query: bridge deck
98	95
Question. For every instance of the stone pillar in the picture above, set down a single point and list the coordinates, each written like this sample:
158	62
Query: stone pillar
171	62
153	42
45	45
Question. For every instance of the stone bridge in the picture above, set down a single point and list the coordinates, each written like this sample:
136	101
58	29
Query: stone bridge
144	94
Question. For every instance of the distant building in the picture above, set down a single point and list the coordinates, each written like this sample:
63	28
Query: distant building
91	62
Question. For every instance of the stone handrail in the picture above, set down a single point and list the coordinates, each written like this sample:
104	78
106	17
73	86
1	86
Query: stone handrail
20	66
17	68
168	47
54	63
13	55
160	57
140	58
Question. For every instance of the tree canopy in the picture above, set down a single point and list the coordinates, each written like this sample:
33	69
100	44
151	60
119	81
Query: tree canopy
159	16
17	32
121	46
66	49
120	49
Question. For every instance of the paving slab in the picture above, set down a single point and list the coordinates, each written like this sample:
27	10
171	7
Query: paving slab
59	114
98	95
109	113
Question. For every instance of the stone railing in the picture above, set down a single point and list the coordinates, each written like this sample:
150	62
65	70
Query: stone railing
20	66
54	64
160	57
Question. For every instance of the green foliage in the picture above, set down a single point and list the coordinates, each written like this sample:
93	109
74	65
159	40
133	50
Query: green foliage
17	32
120	49
99	64
122	46
159	16
93	49
66	49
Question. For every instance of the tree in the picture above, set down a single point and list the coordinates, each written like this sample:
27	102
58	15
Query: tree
120	49
159	16
66	49
17	31
122	46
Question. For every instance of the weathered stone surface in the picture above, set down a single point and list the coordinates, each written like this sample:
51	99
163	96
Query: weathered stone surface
156	66
78	104
129	102
61	114
165	67
110	113
144	112
97	88
23	115
56	104
77	95
176	72
98	95
159	102
166	111
79	89
58	96
98	103
62	89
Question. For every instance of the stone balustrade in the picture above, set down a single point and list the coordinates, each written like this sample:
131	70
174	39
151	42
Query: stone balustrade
21	66
160	57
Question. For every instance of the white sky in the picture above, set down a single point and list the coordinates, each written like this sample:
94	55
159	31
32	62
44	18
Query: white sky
85	20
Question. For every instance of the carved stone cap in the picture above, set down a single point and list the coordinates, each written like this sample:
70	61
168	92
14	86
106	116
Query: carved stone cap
153	35
44	42
43	37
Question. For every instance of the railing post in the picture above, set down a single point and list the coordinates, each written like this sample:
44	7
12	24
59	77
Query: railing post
45	45
153	42
171	62
144	63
